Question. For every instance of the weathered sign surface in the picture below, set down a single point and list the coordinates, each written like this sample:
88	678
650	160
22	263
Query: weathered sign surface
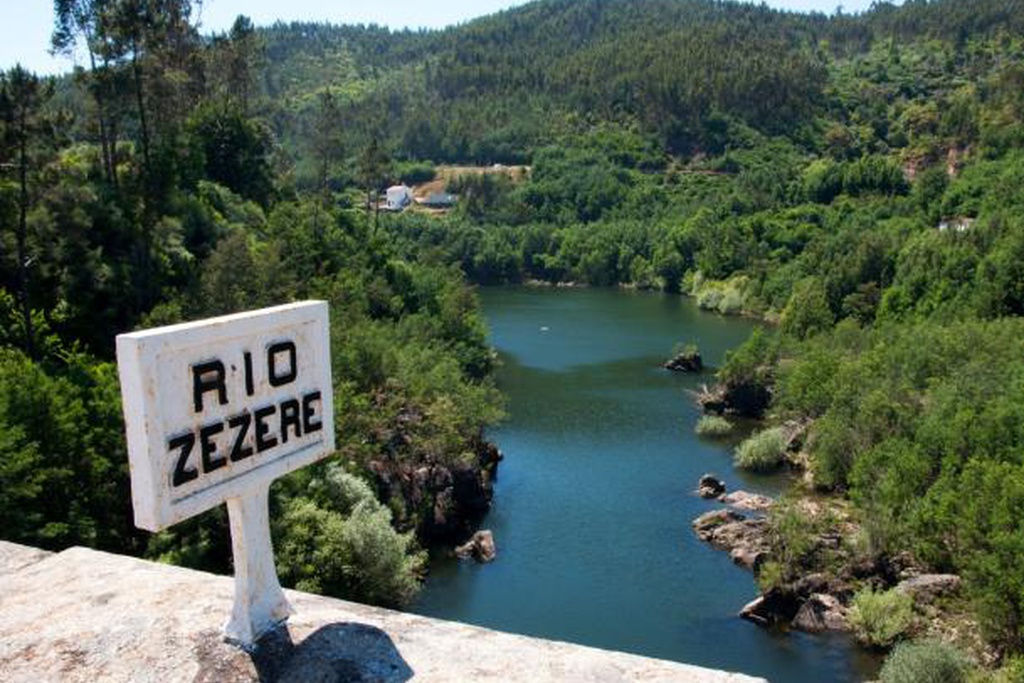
213	406
217	409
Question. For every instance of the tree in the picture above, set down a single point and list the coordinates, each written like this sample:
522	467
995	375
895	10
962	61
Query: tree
234	61
78	22
24	142
374	163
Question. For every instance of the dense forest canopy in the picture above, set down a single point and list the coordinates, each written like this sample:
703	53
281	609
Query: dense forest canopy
858	179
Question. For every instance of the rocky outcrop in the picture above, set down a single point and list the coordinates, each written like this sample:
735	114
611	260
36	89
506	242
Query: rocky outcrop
929	587
743	538
443	502
821	612
745	500
710	487
709	521
772	608
480	547
795	434
746	399
688	360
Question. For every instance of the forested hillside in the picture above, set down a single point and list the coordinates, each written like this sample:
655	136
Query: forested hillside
856	179
144	191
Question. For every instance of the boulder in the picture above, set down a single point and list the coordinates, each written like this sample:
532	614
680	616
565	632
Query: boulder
817	582
821	612
709	521
713	400
480	547
710	487
771	608
686	361
747	533
749	557
745	500
928	587
744	540
795	433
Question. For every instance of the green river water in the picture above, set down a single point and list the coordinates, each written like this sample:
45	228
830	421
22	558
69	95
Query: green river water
594	499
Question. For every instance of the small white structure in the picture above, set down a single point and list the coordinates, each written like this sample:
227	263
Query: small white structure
215	410
398	197
958	224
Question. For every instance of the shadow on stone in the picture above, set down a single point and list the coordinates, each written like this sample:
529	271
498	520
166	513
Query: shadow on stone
336	653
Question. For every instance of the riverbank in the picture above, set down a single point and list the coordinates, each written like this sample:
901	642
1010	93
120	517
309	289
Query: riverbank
817	572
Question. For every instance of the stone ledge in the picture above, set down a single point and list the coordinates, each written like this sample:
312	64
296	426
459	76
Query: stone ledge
14	557
83	615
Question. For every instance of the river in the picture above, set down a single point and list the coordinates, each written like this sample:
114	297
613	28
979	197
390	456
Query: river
594	499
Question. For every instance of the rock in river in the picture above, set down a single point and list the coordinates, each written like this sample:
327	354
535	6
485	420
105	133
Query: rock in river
729	530
821	612
745	500
710	487
480	547
709	521
688	360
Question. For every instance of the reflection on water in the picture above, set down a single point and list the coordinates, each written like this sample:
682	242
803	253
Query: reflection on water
595	497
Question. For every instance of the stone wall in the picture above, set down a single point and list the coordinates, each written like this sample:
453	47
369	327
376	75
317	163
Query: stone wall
83	615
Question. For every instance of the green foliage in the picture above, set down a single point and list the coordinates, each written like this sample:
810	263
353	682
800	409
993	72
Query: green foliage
1011	671
807	312
349	550
763	452
234	151
808	186
63	463
880	618
926	661
415	172
713	426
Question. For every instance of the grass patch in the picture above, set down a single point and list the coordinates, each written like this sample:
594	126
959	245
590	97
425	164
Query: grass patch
879	619
763	452
926	661
713	426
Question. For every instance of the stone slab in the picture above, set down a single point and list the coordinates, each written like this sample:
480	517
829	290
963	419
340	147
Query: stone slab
14	556
83	615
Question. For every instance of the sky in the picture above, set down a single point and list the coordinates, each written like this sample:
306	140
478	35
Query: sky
25	30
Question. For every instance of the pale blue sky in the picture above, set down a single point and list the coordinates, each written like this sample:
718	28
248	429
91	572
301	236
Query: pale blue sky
25	30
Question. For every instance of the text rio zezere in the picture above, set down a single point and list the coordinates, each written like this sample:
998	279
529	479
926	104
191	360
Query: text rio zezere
228	440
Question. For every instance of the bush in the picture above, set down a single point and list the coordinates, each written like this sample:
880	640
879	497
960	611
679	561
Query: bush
927	661
416	172
731	302
1012	671
353	553
713	425
879	619
762	452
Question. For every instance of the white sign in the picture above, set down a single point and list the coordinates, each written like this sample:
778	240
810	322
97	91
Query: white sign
217	409
215	405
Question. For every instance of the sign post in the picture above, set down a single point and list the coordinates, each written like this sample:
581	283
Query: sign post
217	409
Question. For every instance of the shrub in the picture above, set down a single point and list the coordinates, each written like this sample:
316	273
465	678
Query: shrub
713	425
927	661
352	552
1012	671
880	618
709	296
731	302
416	172
762	452
771	575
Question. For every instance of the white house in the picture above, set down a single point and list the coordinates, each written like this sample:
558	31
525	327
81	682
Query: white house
398	197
